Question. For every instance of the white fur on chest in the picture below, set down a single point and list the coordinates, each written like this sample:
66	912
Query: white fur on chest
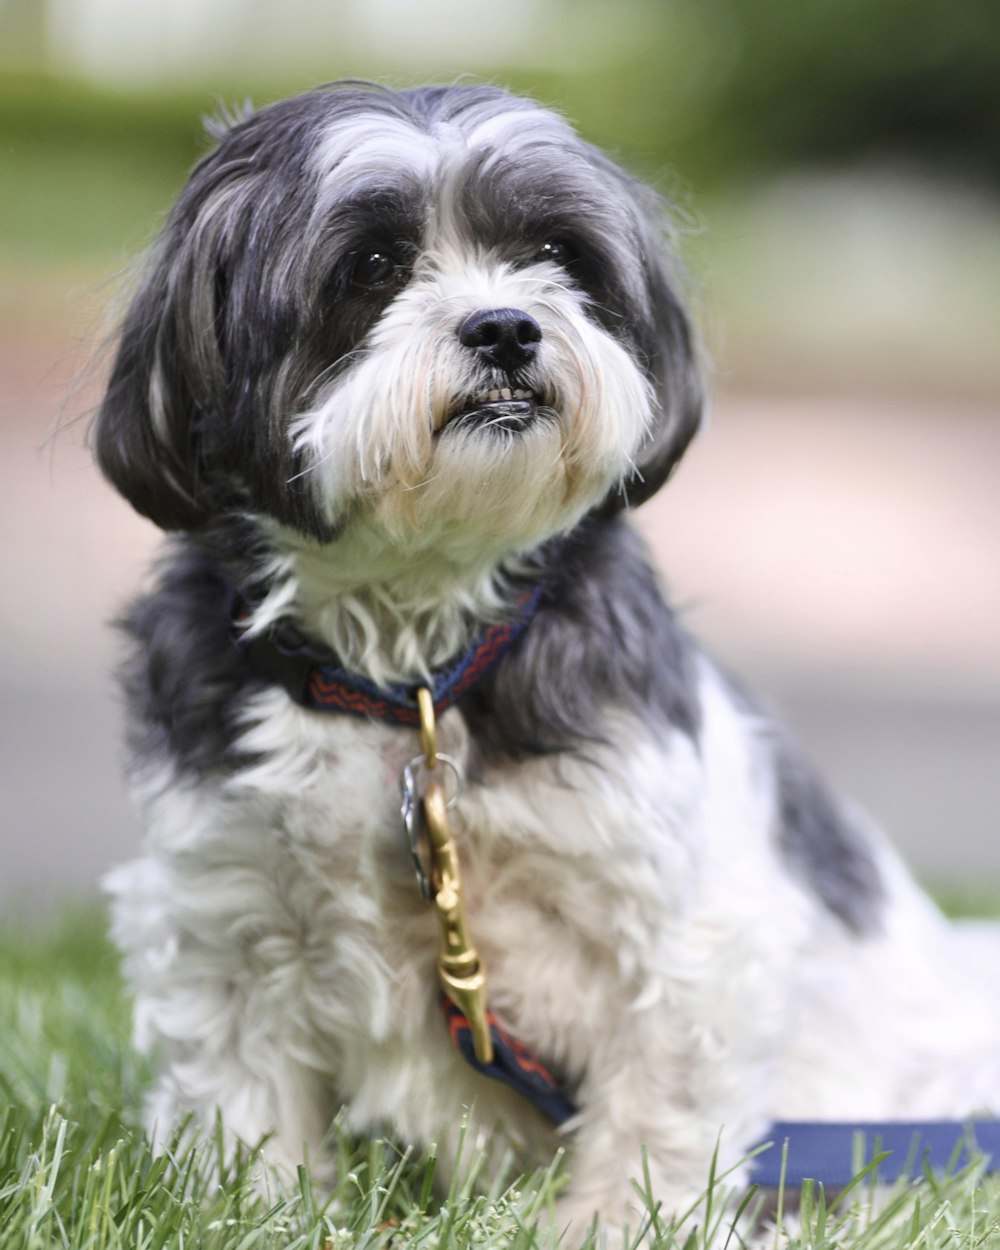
601	890
641	932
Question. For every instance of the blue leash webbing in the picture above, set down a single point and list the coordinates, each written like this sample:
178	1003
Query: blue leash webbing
834	1153
794	1151
512	1064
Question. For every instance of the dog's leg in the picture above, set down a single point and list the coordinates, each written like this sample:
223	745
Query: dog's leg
284	1108
610	1173
658	1111
223	1014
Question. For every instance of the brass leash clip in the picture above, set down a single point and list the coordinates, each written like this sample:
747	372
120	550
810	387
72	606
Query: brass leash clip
460	970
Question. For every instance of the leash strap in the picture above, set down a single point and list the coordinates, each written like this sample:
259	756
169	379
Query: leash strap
512	1064
834	1153
794	1151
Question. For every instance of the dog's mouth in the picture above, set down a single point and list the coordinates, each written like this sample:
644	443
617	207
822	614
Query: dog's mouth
502	409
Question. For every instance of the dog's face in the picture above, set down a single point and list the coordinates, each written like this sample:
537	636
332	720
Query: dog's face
435	312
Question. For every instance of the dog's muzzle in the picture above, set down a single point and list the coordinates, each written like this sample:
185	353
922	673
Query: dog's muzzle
505	340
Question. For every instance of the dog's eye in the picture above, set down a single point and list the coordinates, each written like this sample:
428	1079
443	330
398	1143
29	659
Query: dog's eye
558	252
374	269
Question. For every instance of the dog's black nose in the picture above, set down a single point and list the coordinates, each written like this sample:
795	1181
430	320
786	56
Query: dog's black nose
505	337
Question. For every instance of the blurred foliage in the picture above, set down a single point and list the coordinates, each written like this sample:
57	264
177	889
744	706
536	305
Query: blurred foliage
724	91
728	90
835	79
86	172
42	110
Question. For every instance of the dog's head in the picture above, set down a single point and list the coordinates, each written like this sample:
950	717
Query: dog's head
436	311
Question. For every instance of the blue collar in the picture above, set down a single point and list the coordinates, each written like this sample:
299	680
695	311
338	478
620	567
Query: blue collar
314	677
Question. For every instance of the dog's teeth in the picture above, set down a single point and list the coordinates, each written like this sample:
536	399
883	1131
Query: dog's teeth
503	394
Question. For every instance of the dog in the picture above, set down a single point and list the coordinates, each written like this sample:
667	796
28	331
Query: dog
400	365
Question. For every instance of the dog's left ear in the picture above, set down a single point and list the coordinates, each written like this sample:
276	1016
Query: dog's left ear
669	350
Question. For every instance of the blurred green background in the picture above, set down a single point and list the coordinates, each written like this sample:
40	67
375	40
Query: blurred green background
835	166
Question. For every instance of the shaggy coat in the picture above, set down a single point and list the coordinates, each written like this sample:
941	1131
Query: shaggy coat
395	358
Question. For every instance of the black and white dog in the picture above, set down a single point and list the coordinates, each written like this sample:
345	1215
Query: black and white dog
399	366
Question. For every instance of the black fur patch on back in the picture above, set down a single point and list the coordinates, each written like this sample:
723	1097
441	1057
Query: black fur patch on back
823	847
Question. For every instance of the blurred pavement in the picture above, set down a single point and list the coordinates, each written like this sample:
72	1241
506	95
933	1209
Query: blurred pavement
840	552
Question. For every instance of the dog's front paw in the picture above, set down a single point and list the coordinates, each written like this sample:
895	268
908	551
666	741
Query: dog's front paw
664	1216
615	1225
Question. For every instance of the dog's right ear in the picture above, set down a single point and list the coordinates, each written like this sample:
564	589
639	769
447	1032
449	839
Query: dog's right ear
145	435
163	413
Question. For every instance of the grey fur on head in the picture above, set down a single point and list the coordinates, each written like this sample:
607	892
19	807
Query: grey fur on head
248	307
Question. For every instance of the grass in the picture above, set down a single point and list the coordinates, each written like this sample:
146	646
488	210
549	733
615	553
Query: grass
77	1171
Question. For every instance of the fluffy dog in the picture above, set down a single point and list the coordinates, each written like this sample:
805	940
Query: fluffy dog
399	366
